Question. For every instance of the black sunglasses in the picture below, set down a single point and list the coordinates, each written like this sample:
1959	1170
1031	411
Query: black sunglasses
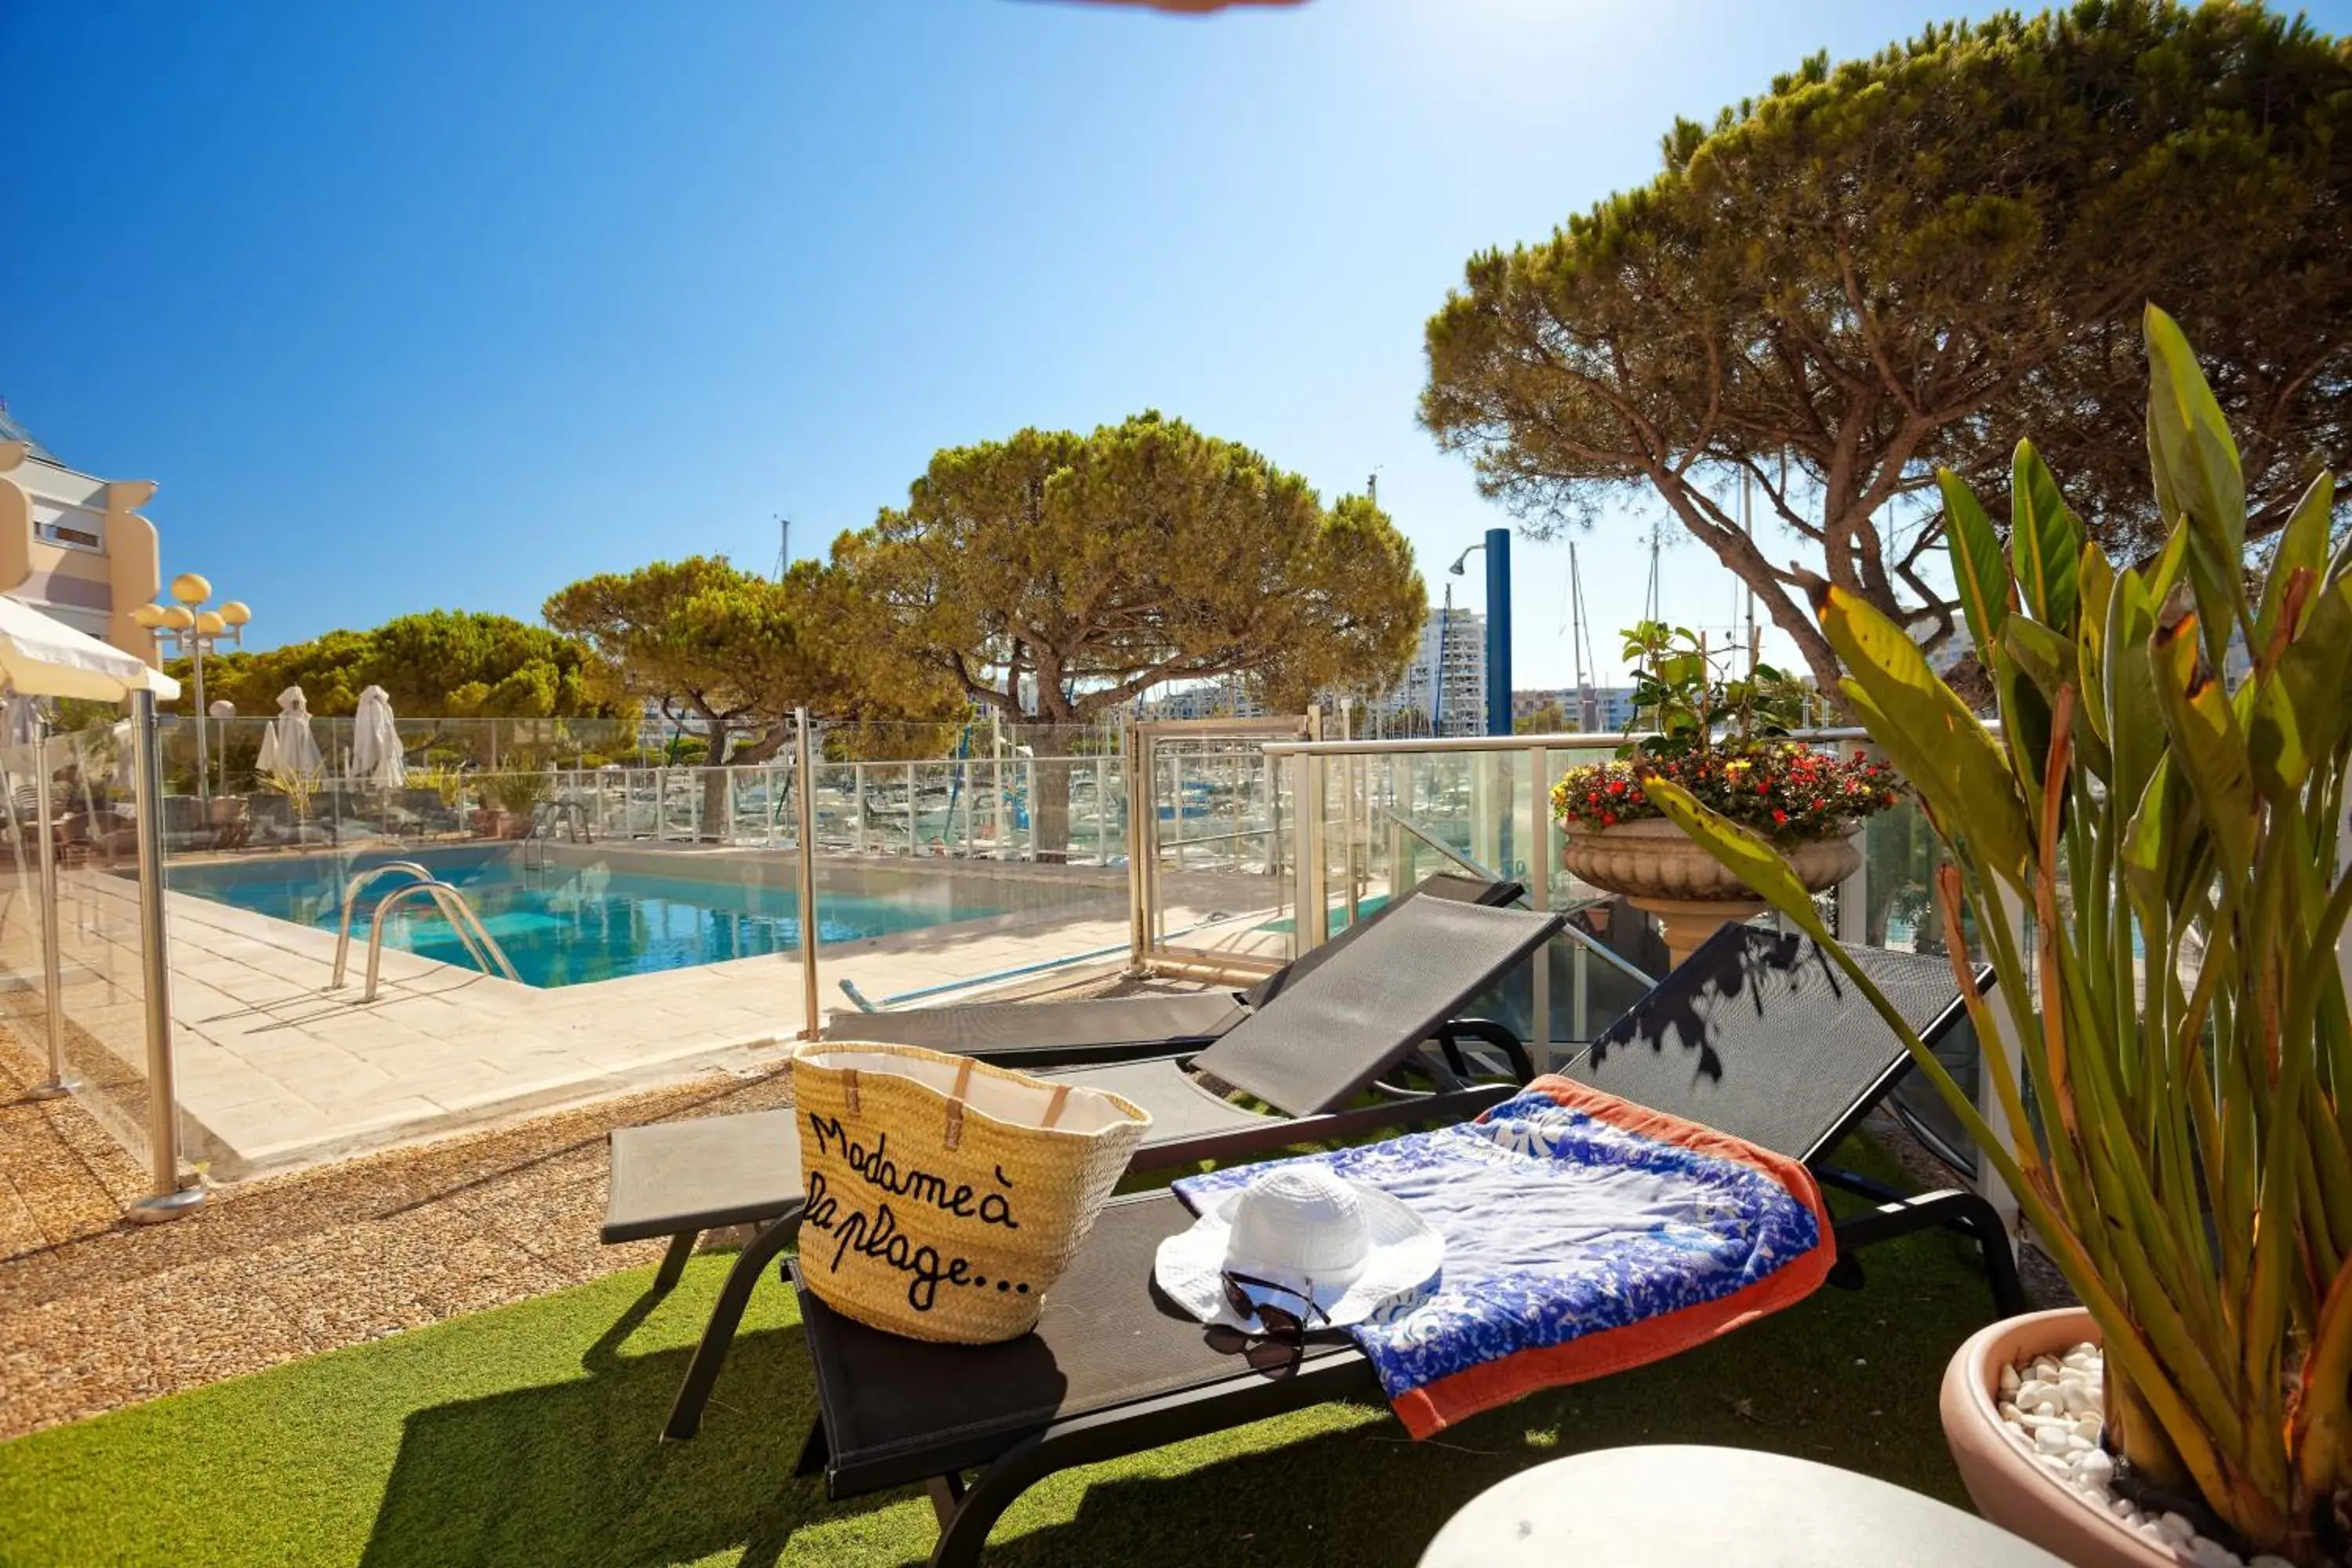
1276	1322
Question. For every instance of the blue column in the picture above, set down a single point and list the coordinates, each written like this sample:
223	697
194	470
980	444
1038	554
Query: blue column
1499	631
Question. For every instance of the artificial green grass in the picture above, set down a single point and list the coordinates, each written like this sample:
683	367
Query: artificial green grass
525	1436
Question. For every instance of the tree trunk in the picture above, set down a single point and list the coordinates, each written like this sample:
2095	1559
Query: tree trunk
715	812
1049	800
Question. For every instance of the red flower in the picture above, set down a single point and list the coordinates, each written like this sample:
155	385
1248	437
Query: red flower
1779	817
1608	819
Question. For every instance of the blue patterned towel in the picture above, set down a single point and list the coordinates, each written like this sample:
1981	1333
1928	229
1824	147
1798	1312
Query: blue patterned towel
1583	1234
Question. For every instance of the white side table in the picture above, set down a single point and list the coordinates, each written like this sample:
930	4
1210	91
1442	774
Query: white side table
1714	1508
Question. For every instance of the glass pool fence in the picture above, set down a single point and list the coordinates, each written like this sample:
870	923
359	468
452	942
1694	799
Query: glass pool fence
944	862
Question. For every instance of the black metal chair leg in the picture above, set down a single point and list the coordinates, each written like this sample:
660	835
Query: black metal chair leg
673	1263
1951	1209
726	1316
1974	1214
968	1512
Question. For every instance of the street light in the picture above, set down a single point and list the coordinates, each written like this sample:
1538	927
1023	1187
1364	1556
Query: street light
184	627
1498	546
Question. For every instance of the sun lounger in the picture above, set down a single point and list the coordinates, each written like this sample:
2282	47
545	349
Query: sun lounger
1106	1028
1310	1053
1757	1035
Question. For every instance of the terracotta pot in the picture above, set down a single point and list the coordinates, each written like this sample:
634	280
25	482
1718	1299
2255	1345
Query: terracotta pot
2005	1484
1666	874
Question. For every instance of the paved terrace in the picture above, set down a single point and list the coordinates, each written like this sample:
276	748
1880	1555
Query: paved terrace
276	1072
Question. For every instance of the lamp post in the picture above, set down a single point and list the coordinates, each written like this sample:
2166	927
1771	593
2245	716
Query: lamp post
1498	546
184	626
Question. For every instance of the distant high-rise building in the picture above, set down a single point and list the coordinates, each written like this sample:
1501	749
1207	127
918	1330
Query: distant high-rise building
1227	697
1445	684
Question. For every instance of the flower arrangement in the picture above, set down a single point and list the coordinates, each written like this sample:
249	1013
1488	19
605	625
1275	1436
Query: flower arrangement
1720	739
1781	790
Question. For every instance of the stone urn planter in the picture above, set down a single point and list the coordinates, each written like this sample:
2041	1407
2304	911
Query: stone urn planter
1662	872
2003	1481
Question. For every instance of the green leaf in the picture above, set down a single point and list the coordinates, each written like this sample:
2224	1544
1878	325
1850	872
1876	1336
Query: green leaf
2302	543
2095	577
2135	719
2276	751
2145	838
2197	468
2310	691
2196	460
2025	711
1965	773
2046	658
1976	566
2045	539
2206	742
2164	571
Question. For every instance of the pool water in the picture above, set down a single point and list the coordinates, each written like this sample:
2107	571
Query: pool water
570	925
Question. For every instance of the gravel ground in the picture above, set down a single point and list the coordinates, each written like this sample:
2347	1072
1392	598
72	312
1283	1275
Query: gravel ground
96	1314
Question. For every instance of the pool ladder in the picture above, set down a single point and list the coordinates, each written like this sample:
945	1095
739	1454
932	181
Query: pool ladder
480	945
550	815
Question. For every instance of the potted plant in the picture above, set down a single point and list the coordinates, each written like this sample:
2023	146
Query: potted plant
2166	800
299	786
511	798
1723	741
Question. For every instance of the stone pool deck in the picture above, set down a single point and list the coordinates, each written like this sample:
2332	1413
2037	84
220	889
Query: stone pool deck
275	1071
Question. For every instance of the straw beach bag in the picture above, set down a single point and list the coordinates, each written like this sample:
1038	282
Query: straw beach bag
946	1195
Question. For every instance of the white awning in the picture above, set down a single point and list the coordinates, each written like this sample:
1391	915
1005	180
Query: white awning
43	657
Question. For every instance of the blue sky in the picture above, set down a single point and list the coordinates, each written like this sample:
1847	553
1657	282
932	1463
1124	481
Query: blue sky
422	305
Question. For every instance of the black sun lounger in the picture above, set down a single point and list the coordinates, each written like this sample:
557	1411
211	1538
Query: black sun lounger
1106	1028
1330	1037
1758	1034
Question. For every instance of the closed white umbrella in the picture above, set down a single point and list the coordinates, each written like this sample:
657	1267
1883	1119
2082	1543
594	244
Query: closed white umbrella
287	746
43	657
375	743
20	719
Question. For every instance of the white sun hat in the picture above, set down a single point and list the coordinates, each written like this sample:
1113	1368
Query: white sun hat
1354	1252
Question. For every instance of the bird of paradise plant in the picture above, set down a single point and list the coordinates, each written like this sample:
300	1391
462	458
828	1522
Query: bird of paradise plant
2178	844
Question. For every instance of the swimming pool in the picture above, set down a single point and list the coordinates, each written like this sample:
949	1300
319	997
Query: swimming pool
574	923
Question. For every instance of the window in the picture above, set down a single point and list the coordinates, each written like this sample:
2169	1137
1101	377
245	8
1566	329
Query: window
75	527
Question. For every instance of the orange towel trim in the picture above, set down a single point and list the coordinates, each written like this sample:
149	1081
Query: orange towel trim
1434	1406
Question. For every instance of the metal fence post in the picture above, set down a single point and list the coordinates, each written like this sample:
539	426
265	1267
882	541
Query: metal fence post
1029	796
804	798
1580	1015
1539	897
52	959
1102	809
1132	773
169	1200
1352	773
